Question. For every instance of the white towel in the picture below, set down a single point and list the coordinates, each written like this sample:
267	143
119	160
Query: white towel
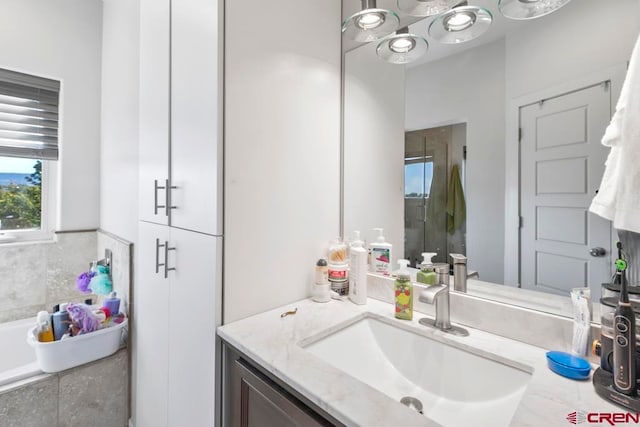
618	198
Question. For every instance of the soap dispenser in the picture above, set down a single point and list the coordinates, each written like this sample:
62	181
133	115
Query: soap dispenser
380	254
404	292
427	273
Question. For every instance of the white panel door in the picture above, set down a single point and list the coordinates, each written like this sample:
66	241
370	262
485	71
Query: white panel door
562	162
192	329
150	324
196	156
154	110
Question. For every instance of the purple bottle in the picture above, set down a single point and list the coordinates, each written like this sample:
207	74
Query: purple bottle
112	303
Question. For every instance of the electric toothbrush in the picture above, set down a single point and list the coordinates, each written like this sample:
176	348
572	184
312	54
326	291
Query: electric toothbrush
624	342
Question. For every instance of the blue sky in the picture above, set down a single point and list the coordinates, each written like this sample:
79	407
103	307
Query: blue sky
417	177
15	165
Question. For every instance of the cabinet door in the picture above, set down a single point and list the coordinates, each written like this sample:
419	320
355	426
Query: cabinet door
194	303
150	339
196	160
260	403
153	151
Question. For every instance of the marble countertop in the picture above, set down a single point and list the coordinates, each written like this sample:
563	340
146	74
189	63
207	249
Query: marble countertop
273	342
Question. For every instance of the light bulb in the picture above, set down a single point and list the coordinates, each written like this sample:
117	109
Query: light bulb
402	44
459	21
370	21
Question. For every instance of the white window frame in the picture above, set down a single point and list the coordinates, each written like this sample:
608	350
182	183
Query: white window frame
49	191
47	210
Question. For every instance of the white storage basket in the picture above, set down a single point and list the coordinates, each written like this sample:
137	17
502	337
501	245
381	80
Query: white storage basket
60	355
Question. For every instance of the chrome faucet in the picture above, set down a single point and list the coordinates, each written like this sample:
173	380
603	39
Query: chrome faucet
439	295
459	272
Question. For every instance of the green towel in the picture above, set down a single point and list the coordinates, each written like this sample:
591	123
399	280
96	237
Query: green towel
456	206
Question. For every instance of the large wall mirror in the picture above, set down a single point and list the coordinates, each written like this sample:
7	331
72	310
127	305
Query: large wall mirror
491	147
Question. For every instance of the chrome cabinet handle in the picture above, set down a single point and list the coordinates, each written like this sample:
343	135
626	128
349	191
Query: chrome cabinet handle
156	187
168	189
597	252
166	259
158	264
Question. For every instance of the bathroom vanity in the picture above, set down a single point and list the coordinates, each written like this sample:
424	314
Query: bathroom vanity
343	364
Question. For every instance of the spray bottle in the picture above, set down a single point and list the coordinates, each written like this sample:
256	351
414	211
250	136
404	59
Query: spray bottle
404	292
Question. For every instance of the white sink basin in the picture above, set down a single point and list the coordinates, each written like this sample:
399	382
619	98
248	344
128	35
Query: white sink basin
455	387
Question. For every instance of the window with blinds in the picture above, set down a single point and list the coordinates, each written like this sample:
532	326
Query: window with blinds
28	116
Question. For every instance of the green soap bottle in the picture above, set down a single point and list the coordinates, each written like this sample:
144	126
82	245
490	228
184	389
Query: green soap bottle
427	273
404	292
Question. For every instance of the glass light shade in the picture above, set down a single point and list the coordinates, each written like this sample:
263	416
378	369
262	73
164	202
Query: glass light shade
370	24
460	25
426	7
402	48
529	9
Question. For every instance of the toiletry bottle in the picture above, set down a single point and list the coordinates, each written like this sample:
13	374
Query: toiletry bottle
404	292
358	271
45	330
321	291
427	273
60	322
112	303
380	254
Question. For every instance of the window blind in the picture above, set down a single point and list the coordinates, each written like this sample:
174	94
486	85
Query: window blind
28	116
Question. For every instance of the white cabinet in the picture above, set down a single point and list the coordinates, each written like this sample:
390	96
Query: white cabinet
150	325
177	291
176	308
196	115
180	114
153	160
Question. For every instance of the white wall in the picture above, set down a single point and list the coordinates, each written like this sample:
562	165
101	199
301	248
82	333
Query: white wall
282	149
61	40
374	148
580	38
119	130
469	87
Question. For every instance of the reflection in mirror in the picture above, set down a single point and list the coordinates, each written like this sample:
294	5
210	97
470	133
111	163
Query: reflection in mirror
554	81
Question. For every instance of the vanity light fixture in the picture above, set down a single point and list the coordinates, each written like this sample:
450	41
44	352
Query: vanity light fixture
370	23
402	47
460	24
426	7
529	9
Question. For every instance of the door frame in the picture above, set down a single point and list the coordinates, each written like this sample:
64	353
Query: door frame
615	75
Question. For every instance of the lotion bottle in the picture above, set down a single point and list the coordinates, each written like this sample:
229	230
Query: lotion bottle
404	292
358	273
380	254
427	273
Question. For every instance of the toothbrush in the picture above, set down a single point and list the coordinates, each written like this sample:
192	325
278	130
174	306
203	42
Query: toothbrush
624	343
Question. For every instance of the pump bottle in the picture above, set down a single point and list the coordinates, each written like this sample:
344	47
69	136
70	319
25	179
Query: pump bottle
358	273
404	292
380	254
427	273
